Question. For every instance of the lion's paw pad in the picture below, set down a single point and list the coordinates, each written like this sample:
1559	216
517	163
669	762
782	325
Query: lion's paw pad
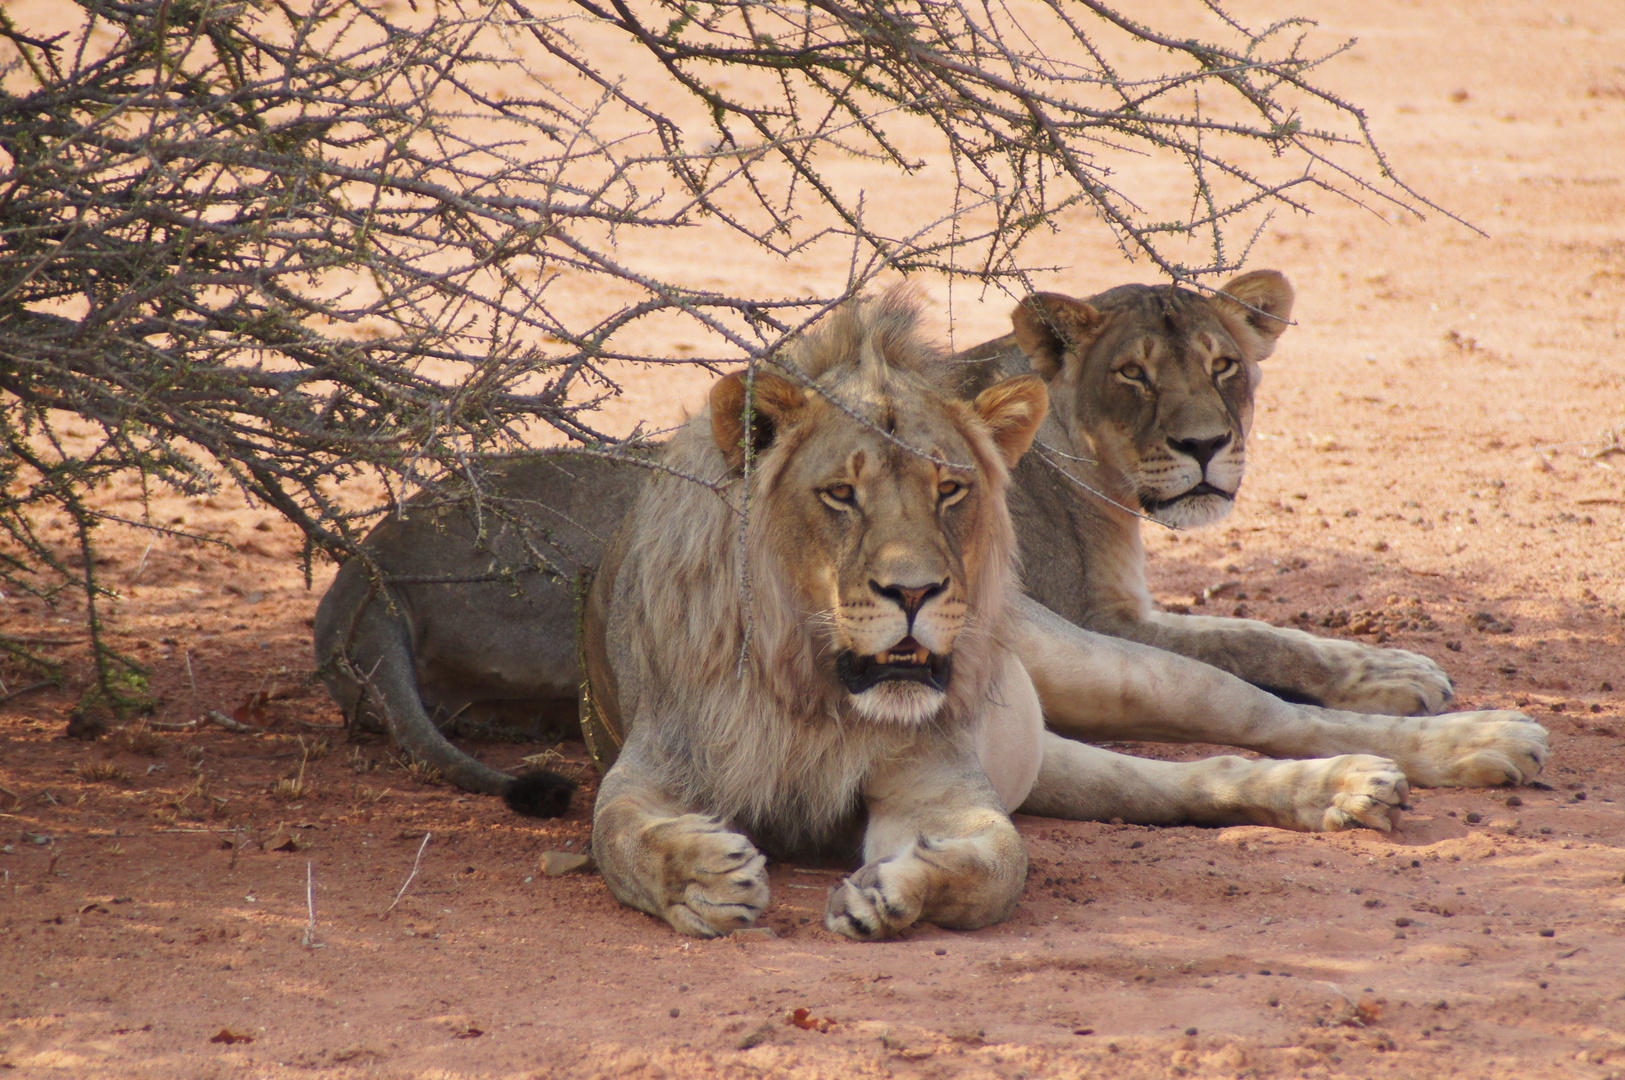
1481	749
1391	682
719	882
1363	792
866	906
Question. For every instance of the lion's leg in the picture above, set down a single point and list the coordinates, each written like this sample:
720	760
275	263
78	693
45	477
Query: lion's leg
659	857
1297	665
938	847
1095	687
1009	738
1087	783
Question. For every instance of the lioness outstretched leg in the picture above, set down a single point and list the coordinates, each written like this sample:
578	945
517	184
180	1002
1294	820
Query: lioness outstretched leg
1097	687
1086	783
938	847
1297	665
687	868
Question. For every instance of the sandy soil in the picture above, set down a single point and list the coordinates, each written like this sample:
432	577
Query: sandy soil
1436	465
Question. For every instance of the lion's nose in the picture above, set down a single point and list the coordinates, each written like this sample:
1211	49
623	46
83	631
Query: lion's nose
1201	449
910	598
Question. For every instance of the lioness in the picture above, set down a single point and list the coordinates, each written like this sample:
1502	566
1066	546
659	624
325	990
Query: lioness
481	609
1151	402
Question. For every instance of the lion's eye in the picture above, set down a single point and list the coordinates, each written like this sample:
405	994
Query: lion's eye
1224	365
845	494
1132	371
948	490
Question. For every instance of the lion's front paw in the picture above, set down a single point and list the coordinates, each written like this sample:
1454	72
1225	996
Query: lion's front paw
716	881
873	903
1478	749
1391	682
1357	791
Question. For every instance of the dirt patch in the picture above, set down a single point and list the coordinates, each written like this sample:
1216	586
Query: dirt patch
1433	468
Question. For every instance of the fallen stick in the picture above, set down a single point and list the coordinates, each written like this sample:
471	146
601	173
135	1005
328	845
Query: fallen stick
309	938
233	725
165	725
29	689
408	882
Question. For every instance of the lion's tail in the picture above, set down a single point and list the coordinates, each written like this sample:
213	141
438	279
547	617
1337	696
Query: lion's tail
378	666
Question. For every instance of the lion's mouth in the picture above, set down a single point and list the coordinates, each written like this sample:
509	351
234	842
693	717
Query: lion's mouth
1153	504
906	661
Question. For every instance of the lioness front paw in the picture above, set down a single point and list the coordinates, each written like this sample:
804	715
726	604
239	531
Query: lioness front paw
1478	749
872	903
1391	682
716	881
1358	791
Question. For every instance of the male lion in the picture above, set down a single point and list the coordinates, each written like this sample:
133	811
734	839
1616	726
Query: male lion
478	615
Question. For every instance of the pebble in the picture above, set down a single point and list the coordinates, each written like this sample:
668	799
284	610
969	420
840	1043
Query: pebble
559	863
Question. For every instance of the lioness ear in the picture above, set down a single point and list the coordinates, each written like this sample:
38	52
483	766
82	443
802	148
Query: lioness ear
1265	306
1012	410
773	407
1048	324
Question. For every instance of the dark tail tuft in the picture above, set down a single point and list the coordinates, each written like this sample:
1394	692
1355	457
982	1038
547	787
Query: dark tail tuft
539	794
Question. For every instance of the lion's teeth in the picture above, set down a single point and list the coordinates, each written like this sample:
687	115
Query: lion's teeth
921	655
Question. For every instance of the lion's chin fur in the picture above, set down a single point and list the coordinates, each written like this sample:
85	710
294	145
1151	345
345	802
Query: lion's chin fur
1194	513
906	704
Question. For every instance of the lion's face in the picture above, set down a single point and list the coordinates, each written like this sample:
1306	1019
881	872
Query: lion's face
1157	384
886	512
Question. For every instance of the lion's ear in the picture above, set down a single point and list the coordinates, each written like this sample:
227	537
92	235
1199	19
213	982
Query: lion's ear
1012	411
1262	300
774	405
1049	324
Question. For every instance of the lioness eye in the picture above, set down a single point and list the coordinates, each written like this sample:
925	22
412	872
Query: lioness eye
1132	371
1224	365
841	493
949	488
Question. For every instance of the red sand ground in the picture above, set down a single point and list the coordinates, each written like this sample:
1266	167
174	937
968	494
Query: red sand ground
1437	439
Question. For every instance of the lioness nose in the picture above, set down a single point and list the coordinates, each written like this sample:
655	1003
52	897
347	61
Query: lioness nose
1200	449
910	598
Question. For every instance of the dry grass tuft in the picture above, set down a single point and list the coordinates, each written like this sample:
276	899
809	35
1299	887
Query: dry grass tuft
420	773
101	772
291	789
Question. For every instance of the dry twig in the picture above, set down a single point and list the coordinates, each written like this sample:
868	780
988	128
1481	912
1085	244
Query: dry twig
217	717
416	862
308	939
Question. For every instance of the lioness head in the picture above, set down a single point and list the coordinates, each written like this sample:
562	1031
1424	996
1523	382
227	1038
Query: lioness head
882	499
1156	383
